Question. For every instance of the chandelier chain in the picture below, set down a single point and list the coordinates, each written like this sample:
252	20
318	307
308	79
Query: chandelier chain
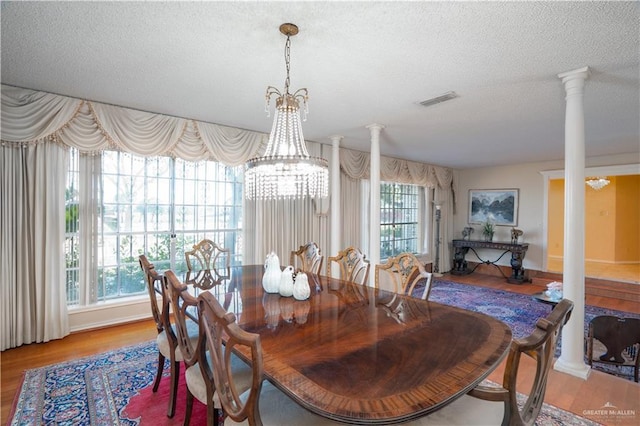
287	56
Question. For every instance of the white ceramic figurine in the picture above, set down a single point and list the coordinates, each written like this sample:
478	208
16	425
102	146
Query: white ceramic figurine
286	282
301	289
272	272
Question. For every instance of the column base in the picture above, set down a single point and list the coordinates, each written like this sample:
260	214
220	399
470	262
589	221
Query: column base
579	369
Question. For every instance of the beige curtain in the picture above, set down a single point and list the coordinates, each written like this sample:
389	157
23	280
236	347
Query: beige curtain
356	165
32	268
284	225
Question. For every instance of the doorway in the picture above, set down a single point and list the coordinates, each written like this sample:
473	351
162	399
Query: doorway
612	228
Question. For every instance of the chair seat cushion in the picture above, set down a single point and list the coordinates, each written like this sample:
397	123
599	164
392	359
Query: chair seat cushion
242	374
464	411
278	409
164	345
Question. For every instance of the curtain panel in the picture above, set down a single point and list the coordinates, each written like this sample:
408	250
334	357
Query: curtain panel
32	219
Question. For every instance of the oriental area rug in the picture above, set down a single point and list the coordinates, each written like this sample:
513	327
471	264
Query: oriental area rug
114	388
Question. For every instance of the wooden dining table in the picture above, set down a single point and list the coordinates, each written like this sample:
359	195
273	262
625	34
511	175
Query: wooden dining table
357	354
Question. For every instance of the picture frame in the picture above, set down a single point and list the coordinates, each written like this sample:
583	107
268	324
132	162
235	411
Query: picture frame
498	206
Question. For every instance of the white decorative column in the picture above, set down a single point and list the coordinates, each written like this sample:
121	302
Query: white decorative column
336	222
571	359
374	201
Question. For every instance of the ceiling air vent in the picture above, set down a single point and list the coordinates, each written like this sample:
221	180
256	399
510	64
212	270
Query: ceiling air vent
438	99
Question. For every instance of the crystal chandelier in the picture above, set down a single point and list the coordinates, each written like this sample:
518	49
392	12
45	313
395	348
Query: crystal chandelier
598	182
286	170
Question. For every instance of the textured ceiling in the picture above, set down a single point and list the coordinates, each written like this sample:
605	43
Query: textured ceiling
363	63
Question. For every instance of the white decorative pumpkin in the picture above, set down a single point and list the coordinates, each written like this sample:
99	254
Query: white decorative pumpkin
301	289
272	272
286	282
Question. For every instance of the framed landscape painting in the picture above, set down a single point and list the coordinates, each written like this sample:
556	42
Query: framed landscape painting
498	206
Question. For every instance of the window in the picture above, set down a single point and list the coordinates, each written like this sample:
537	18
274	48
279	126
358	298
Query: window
158	206
398	219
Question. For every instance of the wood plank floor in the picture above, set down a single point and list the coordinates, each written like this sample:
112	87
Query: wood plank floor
564	391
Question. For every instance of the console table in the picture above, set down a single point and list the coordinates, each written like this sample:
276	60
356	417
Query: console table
517	251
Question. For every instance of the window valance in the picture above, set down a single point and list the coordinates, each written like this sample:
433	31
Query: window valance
356	165
29	116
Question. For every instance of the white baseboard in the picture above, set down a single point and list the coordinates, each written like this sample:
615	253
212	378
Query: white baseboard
110	313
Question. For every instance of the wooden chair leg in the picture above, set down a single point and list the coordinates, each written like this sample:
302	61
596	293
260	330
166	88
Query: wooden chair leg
173	393
187	412
212	420
218	414
159	372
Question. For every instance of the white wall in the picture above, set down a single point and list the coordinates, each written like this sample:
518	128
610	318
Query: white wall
531	210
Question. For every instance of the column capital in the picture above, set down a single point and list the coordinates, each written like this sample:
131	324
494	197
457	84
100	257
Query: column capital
375	127
336	139
580	73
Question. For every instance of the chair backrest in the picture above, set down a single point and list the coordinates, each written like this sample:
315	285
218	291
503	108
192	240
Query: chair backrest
403	274
308	258
215	323
181	300
353	265
616	334
208	255
540	345
615	340
155	287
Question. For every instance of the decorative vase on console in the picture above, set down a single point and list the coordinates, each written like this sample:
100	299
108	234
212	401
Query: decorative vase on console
272	274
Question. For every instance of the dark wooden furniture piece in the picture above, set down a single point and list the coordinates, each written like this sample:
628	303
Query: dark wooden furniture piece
365	368
307	259
208	255
518	251
353	265
167	340
614	341
540	345
403	274
185	337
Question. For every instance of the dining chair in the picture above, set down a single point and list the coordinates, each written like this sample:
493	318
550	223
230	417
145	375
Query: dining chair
353	265
208	255
307	258
154	285
166	340
479	406
614	341
253	402
404	274
183	333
